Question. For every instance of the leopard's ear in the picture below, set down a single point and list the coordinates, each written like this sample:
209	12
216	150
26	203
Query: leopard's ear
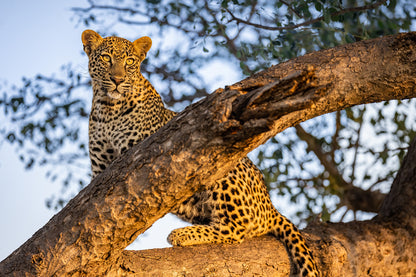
142	45
90	40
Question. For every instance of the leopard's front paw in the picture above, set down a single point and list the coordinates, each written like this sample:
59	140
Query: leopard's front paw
180	237
192	235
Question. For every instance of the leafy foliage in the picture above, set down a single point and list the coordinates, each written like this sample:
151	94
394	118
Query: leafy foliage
46	120
200	45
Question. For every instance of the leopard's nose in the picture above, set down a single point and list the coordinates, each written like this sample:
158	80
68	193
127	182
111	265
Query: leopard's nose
117	80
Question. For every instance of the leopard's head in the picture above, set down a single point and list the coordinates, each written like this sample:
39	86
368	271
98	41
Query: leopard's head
114	63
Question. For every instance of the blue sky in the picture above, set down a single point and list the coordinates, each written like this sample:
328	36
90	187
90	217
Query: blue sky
39	36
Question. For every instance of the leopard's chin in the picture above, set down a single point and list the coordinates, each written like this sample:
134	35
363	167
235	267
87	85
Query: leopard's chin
114	94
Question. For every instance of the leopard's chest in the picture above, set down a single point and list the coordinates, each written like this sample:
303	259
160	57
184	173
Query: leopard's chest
121	133
125	129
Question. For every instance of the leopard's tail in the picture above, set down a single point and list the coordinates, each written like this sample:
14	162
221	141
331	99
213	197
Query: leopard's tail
299	251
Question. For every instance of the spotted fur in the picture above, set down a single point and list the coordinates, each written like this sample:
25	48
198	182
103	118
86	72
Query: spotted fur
126	109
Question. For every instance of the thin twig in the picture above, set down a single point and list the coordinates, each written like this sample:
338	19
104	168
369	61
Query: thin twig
357	146
305	23
291	8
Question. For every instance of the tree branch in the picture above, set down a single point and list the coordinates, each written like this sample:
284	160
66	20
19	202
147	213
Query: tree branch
400	204
345	249
204	142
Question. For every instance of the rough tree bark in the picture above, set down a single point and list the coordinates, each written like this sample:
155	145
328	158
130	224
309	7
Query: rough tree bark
202	143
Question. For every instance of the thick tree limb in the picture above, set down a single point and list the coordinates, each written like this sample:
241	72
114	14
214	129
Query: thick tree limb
259	256
345	249
203	142
400	204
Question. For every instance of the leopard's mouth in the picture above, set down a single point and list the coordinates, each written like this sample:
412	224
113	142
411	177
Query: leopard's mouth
115	91
115	94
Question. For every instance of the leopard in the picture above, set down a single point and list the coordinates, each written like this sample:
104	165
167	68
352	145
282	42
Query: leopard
126	109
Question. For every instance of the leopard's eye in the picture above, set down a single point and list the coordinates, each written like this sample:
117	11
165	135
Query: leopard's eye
130	61
106	58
